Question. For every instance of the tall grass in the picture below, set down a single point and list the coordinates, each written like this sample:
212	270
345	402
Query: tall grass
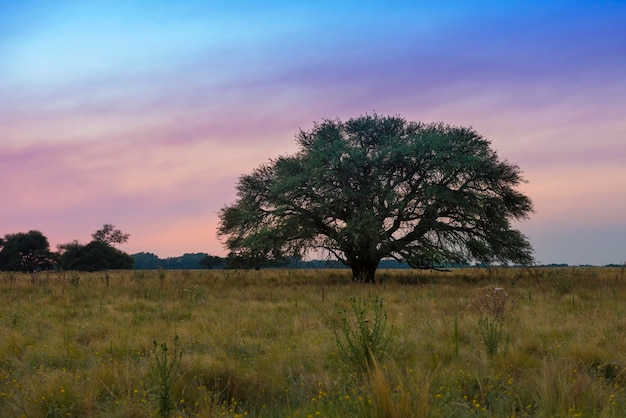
262	344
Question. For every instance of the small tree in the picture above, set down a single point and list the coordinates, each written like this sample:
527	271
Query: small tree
375	187
25	251
109	235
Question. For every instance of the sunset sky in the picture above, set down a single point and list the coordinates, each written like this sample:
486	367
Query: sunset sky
143	114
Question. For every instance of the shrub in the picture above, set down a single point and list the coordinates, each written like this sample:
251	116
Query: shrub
166	368
492	301
493	334
363	337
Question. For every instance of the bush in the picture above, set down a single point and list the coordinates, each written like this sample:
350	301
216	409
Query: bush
362	342
95	256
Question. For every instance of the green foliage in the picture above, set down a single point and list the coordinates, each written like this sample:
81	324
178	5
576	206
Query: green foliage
211	261
363	335
493	334
375	187
25	252
188	261
255	259
109	235
166	366
94	256
145	261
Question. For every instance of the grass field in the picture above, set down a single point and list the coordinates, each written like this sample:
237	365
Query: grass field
502	342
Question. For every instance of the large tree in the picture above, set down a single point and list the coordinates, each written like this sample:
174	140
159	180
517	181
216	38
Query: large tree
25	251
376	186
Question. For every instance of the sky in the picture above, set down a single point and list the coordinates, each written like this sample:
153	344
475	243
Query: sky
143	114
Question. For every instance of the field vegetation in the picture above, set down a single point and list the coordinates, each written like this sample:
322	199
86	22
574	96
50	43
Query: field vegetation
311	343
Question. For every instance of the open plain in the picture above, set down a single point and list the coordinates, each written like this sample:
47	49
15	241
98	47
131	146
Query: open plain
499	342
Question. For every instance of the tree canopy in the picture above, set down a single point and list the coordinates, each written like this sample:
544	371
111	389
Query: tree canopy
25	251
95	256
211	261
149	261
109	235
377	187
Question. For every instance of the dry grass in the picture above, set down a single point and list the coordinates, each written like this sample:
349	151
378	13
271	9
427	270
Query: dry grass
262	344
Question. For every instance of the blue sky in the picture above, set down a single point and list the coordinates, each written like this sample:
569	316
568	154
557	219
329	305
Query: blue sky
143	114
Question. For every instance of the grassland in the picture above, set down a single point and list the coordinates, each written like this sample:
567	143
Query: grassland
535	342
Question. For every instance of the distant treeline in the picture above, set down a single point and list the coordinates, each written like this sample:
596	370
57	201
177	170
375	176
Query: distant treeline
190	261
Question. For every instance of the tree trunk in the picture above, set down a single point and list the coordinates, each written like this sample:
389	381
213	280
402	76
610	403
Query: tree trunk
364	271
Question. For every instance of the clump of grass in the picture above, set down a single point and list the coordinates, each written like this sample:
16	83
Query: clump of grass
562	389
563	285
394	393
196	293
74	279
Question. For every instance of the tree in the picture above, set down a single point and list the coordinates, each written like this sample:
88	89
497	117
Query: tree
145	261
247	260
211	261
95	256
99	254
25	251
378	186
185	262
109	235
